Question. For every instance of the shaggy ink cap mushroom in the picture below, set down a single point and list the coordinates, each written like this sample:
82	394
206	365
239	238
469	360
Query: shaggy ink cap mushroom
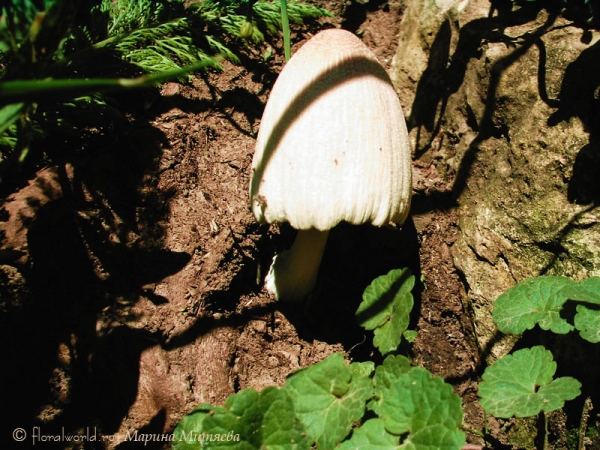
332	146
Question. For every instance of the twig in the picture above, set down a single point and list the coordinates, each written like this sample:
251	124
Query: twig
545	419
585	414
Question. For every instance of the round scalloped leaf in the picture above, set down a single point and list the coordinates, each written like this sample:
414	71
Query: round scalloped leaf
386	306
534	301
386	375
410	335
189	429
371	435
364	369
587	321
521	385
588	290
329	397
425	409
248	421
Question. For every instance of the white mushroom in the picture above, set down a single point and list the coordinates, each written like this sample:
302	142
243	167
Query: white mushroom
332	147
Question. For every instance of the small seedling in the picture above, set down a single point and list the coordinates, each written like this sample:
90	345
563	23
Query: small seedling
521	385
412	403
540	301
386	306
587	319
329	398
248	420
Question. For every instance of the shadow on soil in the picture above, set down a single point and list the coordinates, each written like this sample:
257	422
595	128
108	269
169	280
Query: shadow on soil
354	257
92	247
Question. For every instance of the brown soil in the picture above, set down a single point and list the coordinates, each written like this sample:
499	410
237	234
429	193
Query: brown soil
131	277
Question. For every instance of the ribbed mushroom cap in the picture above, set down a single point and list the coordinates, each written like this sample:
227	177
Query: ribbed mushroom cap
333	144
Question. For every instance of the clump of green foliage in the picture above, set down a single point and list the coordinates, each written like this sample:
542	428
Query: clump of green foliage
522	384
333	404
60	59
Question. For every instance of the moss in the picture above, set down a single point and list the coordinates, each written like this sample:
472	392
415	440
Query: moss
523	432
593	434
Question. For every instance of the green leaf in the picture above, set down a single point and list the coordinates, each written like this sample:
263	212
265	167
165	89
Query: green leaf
587	290
386	306
410	400
587	321
329	397
187	434
410	335
521	385
534	301
371	435
386	375
558	391
56	89
364	369
248	421
9	115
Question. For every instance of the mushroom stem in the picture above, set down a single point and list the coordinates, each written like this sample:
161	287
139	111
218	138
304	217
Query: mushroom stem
293	273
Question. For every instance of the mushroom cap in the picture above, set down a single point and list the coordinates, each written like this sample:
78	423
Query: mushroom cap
332	144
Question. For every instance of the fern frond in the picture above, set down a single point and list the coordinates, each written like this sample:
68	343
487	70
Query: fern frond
222	49
55	51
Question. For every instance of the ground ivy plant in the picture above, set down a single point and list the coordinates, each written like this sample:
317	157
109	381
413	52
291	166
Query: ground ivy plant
521	384
336	404
385	309
539	301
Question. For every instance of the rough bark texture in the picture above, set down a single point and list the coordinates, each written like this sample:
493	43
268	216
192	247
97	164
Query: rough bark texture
505	104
